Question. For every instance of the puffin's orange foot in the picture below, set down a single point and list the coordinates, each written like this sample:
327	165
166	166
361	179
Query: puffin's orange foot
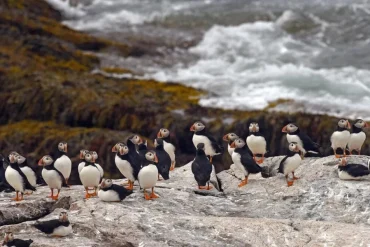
55	198
337	156
202	187
290	183
153	196
147	196
259	161
87	196
244	182
93	194
209	187
295	178
172	168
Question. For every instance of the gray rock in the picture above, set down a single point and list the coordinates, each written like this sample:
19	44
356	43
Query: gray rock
318	210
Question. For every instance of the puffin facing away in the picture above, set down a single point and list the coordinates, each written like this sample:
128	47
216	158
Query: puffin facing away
168	146
110	192
256	142
27	170
340	137
305	144
212	148
290	163
358	136
202	168
148	175
10	241
243	160
230	138
16	178
352	171
124	165
142	150
90	175
56	228
164	160
62	162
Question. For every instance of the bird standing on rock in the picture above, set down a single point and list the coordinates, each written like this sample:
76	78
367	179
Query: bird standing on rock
290	163
95	155
10	241
110	192
148	175
352	171
202	168
358	136
90	175
230	138
28	171
164	134
164	160
243	160
62	162
256	142
124	165
212	148
57	228
340	137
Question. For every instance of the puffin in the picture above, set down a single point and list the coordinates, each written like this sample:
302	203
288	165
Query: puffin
290	163
256	142
81	165
16	178
10	241
164	134
164	160
230	138
27	170
90	175
57	227
95	155
62	162
352	171
340	137
124	164
243	160
110	192
202	168
148	175
52	176
212	148
305	144
358	136
4	186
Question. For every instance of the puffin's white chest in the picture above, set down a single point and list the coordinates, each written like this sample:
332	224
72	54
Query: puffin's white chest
345	176
356	140
230	149
294	138
339	139
64	165
170	149
108	196
14	179
148	176
236	160
257	144
125	168
80	166
207	144
292	163
52	178
90	176
62	231
30	174
100	170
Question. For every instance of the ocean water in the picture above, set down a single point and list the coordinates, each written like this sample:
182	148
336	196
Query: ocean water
246	53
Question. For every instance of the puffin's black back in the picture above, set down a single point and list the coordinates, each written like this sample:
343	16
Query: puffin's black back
142	149
3	165
215	145
49	226
164	162
121	191
246	159
52	167
133	157
355	170
26	183
282	162
201	168
20	243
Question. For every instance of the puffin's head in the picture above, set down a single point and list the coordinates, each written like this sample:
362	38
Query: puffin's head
361	124
20	159
89	157
151	156
9	237
123	149
238	143
344	123
200	146
82	153
158	142
230	137
46	161
94	154
63	217
342	161
13	157
62	147
197	126
254	127
115	148
106	183
163	133
290	128
293	146
135	139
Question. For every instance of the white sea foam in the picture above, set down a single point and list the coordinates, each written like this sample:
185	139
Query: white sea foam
67	9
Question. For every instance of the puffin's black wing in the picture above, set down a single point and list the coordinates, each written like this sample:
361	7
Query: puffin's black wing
202	169
281	166
164	164
20	243
64	184
47	226
357	170
217	147
26	183
249	163
309	145
122	191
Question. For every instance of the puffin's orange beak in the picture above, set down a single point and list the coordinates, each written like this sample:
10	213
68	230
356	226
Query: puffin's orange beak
102	184
12	159
192	128
159	135
285	129
65	148
296	149
114	149
226	138
155	158
254	128
232	145
121	152
81	155
348	125
366	125
41	162
140	141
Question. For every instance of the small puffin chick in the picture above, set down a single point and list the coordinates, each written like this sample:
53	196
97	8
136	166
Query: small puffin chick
110	192
305	144
340	137
256	142
52	176
57	227
148	175
164	160
124	165
290	163
243	160
10	241
352	171
90	175
202	168
164	134
62	162
16	178
95	155
230	138
358	136
212	148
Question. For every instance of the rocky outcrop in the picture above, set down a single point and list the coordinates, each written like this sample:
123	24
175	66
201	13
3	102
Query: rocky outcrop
318	210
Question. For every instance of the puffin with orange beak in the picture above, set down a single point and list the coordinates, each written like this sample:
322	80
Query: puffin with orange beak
352	171
256	143
124	165
358	136
110	192
10	241
340	137
57	227
148	175
230	138
164	134
202	168
90	175
211	146
62	162
52	177
290	163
